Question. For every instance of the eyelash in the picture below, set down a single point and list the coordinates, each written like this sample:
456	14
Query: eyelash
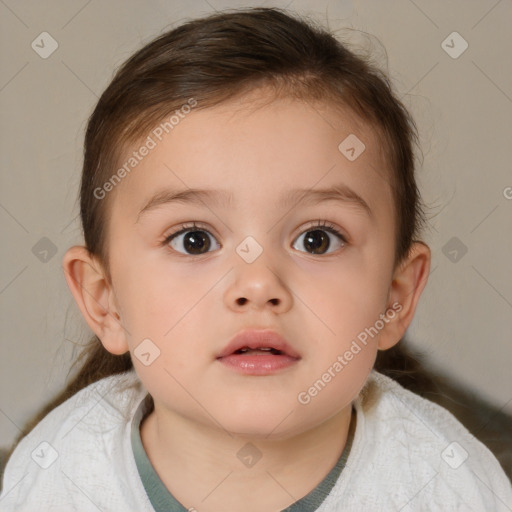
327	226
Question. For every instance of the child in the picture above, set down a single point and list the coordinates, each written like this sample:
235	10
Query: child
251	223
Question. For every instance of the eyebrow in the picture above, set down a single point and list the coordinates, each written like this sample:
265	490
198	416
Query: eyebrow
340	193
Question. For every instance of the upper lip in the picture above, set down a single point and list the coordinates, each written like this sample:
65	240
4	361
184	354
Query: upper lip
254	339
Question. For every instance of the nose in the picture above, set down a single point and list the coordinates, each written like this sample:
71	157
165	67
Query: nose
256	286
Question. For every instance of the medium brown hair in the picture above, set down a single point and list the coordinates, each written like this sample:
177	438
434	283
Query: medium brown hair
212	60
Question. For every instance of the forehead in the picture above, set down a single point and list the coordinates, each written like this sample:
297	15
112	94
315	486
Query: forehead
257	149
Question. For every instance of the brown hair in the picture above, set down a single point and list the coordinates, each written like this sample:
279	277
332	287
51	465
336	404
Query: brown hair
214	59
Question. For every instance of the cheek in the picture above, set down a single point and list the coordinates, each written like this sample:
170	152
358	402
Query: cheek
167	309
153	295
347	301
347	296
335	384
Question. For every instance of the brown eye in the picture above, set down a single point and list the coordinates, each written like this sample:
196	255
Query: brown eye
319	240
191	241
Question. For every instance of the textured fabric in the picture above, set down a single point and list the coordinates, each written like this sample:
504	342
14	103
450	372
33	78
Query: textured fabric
407	454
163	501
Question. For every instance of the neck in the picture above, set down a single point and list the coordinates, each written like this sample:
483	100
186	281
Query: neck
209	469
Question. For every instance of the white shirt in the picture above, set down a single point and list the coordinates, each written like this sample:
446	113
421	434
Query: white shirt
408	454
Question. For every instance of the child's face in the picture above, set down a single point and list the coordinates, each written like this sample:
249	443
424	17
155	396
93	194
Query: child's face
190	305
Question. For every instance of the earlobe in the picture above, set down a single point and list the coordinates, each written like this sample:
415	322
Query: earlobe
94	296
406	288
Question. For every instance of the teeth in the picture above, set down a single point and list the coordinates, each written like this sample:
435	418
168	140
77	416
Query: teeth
247	349
262	349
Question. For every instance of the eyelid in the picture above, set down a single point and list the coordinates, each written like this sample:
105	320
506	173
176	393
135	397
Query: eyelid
188	226
325	225
311	224
329	227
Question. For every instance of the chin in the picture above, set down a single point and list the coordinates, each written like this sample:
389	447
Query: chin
263	430
275	424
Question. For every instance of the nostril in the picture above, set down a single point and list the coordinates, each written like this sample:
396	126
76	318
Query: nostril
242	300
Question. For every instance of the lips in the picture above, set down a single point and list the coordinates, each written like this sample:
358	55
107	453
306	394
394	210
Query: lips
253	342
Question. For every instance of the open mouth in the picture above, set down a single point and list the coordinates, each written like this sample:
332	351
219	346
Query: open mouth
258	361
258	351
254	352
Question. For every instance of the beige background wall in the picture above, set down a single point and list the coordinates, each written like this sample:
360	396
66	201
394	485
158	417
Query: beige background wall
463	107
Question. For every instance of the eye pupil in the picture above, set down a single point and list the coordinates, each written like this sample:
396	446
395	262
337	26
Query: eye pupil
317	241
195	241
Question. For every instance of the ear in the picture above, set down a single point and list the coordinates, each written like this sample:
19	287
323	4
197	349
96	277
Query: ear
95	297
409	280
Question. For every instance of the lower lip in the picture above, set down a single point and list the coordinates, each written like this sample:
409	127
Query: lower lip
258	364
